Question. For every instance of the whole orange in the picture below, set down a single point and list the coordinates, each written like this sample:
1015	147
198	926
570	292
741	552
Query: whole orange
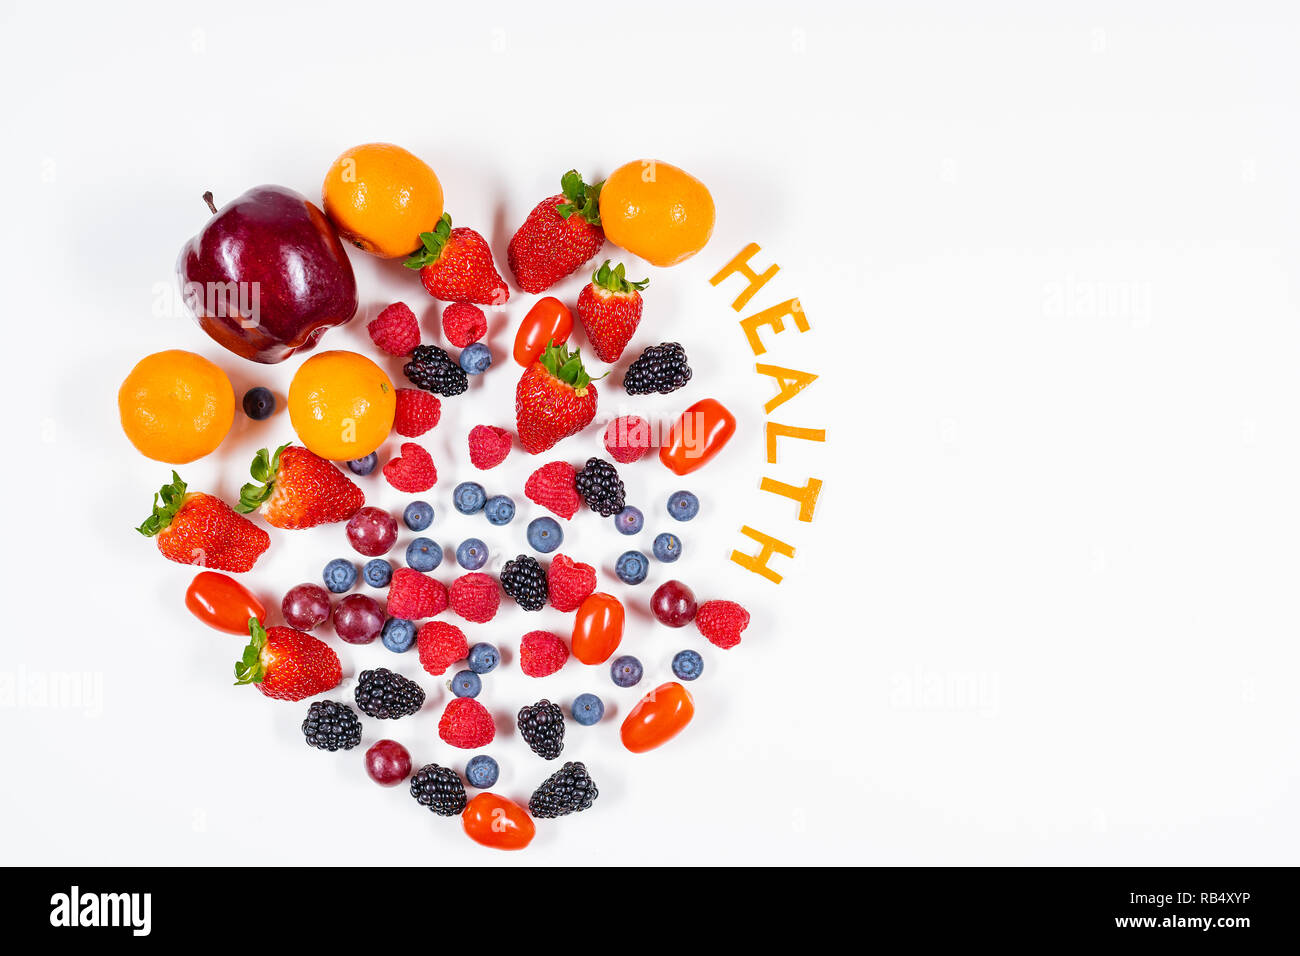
176	406
381	197
341	404
656	211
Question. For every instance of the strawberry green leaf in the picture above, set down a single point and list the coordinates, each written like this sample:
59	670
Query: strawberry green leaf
583	200
615	280
264	469
432	243
172	496
249	669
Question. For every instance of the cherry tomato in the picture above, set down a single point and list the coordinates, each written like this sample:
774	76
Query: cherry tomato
698	436
597	628
220	601
497	822
548	320
657	718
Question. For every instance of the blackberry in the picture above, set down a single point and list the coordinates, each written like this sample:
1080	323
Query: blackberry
601	487
331	726
383	694
439	789
569	790
660	368
542	727
433	370
525	581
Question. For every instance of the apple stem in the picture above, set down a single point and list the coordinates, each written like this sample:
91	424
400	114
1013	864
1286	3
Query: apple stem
207	198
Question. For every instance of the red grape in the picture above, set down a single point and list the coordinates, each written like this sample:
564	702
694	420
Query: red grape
372	531
358	619
306	606
388	763
673	603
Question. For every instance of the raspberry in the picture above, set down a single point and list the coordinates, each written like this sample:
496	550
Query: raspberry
627	439
395	330
413	597
554	487
721	622
413	472
466	724
569	582
488	446
475	597
440	645
417	412
542	653
463	324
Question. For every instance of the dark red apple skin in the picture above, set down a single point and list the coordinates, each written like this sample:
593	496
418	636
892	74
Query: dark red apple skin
277	239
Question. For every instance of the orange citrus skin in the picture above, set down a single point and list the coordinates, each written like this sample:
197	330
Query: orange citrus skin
176	406
656	211
341	404
381	197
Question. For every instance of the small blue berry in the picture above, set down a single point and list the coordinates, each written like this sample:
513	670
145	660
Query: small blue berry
626	671
500	509
423	554
632	567
466	684
544	534
472	554
629	521
482	771
363	466
475	358
483	658
340	574
668	547
683	505
377	573
418	515
398	634
688	665
468	497
587	709
259	403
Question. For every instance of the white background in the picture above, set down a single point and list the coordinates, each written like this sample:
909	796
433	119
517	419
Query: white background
1045	613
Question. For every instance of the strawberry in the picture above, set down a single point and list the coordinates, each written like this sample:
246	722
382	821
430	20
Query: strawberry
559	236
201	529
609	308
456	266
286	664
555	398
299	490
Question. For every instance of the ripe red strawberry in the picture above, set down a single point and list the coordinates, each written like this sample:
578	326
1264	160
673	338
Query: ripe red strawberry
609	308
413	472
488	446
286	664
466	724
555	398
475	597
440	645
627	439
417	411
560	235
542	653
200	529
554	486
413	596
569	582
299	490
721	622
395	330
456	266
463	324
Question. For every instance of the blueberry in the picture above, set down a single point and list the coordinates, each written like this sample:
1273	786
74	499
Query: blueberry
683	505
483	658
340	574
482	771
466	684
632	567
626	671
544	534
418	515
587	709
363	466
472	554
500	509
688	665
259	403
475	358
422	554
629	521
468	497
398	634
668	547
377	573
